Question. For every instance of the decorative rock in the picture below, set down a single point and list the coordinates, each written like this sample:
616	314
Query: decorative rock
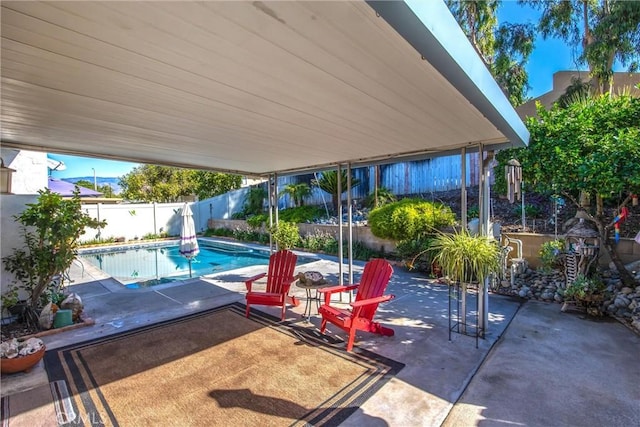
14	348
546	296
45	320
621	301
312	278
74	303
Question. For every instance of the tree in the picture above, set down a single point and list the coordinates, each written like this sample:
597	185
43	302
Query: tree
51	228
164	184
602	31
297	192
328	182
505	48
209	184
592	146
254	200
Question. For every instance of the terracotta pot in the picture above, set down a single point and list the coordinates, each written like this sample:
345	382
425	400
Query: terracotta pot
21	363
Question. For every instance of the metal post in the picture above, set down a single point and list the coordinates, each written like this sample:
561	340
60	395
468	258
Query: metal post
483	288
340	254
155	220
98	218
350	226
463	187
524	216
275	198
269	193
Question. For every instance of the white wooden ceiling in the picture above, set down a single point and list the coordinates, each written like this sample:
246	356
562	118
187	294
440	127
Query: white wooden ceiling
247	87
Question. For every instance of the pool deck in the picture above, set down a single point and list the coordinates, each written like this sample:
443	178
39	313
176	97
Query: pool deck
535	367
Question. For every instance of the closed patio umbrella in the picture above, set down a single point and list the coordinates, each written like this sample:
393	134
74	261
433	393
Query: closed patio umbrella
188	241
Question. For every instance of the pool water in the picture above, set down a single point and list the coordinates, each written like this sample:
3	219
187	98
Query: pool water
153	265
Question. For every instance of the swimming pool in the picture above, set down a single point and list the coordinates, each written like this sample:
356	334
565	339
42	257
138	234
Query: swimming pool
155	264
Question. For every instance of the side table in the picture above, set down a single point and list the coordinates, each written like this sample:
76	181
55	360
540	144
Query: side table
309	288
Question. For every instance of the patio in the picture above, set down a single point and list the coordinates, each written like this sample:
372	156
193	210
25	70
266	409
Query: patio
398	78
532	352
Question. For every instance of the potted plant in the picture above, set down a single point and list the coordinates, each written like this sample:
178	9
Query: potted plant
464	258
586	292
51	228
19	356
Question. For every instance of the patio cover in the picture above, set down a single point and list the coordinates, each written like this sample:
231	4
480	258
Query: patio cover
247	87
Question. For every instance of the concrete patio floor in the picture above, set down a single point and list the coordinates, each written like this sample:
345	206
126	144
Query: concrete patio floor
535	367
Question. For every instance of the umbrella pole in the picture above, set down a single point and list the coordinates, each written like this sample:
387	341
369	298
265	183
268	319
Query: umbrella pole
190	268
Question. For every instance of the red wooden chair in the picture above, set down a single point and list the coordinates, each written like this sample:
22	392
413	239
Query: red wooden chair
375	278
279	280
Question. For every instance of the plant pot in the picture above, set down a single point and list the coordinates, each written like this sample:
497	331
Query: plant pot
21	363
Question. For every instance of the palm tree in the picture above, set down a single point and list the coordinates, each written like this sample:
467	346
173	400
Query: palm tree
297	192
328	182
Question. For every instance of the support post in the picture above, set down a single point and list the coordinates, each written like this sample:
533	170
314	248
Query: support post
340	251
463	187
350	227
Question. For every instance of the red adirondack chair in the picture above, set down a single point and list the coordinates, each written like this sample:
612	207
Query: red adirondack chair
279	280
375	278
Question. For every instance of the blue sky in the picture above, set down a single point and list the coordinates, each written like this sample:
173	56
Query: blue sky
83	166
548	57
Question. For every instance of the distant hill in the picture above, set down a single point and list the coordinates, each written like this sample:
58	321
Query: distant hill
110	181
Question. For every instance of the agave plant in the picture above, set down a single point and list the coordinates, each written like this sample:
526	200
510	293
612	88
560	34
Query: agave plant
465	258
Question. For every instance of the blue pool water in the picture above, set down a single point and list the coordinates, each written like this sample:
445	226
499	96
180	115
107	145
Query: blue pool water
157	264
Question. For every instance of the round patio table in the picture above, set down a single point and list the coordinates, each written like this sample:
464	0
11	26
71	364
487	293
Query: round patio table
309	288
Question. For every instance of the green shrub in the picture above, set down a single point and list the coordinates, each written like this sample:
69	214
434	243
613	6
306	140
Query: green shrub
286	234
473	212
409	219
385	196
551	254
300	214
254	201
249	235
362	252
318	241
98	241
224	232
153	236
256	221
415	252
583	287
531	211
